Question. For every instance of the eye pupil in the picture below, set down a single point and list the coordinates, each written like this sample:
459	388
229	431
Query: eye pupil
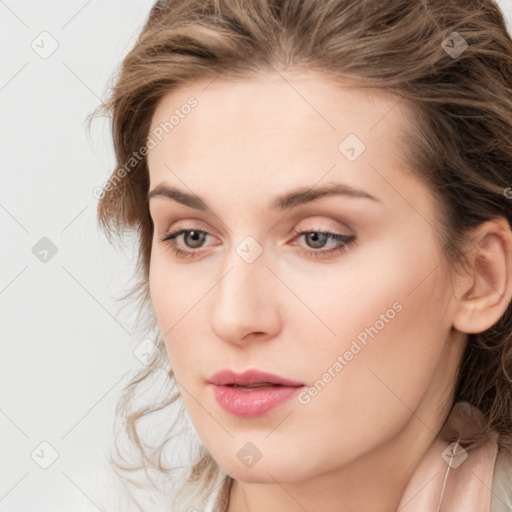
197	237
317	238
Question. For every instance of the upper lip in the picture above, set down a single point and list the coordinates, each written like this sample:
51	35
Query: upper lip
226	377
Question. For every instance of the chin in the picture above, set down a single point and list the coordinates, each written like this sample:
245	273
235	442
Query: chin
265	470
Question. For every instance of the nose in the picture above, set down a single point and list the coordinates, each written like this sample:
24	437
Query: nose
245	302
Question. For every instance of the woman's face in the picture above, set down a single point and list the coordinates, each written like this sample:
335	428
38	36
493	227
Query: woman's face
362	319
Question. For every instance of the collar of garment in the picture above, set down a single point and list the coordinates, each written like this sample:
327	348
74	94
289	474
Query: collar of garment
453	475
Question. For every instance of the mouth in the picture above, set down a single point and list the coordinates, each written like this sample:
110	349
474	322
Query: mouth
252	393
250	378
248	387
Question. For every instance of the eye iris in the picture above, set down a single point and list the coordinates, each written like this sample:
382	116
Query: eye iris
197	237
317	238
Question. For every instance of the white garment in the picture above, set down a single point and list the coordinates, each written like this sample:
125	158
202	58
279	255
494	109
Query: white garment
502	485
210	503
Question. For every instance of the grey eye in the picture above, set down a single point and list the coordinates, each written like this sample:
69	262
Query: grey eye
318	239
194	239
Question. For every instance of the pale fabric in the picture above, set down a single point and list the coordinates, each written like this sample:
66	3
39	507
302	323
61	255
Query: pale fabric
481	483
439	484
502	485
210	505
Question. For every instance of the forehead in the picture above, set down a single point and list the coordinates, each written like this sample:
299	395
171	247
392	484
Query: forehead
275	128
273	99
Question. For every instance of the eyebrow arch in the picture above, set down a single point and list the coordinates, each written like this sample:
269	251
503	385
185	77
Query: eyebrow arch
283	202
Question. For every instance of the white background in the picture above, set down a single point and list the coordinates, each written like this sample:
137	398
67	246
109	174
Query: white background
66	349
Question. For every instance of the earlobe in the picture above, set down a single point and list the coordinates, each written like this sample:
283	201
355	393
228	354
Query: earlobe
484	294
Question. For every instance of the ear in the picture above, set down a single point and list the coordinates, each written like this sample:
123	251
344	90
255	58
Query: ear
484	293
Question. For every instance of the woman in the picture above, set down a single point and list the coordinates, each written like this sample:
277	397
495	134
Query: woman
321	193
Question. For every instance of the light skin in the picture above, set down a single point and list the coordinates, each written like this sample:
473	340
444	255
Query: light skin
355	445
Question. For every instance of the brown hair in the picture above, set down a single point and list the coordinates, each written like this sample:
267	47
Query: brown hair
460	144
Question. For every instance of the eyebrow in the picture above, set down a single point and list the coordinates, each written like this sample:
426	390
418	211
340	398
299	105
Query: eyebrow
291	199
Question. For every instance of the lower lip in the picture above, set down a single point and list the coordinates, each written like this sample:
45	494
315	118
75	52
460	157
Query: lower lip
252	402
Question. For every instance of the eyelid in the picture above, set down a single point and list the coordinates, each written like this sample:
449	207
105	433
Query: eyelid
310	224
319	226
323	225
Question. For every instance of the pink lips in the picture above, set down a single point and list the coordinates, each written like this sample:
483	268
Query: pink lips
252	393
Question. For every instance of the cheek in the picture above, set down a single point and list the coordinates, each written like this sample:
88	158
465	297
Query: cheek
163	293
391	333
388	313
382	378
173	298
372	290
173	290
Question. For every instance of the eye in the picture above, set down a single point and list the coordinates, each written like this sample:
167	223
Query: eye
194	239
318	239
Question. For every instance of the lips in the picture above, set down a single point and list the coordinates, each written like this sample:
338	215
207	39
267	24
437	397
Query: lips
252	393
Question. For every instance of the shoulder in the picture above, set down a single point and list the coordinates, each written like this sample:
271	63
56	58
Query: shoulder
502	483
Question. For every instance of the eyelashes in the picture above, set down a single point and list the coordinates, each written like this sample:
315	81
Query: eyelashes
344	242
